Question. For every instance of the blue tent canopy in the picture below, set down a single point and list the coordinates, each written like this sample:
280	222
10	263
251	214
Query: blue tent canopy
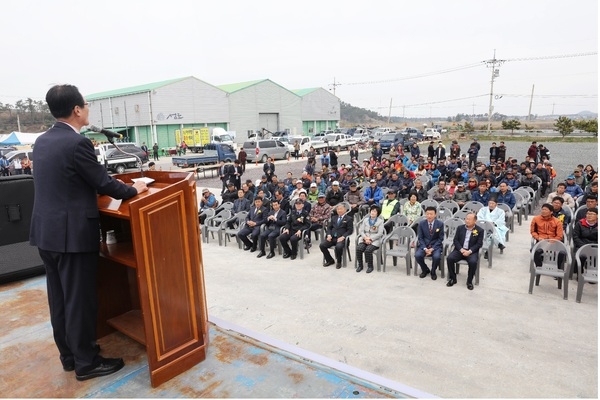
11	140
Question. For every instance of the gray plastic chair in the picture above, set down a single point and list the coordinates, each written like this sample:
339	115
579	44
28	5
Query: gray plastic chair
551	249
590	254
489	229
520	208
450	226
451	205
215	224
444	213
429	203
474	206
239	221
461	214
406	238
509	218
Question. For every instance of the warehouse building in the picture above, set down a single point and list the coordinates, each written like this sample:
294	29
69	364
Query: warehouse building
154	112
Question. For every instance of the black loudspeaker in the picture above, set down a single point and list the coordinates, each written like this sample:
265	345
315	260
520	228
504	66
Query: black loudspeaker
18	260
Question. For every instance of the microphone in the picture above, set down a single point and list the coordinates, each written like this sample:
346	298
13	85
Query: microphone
106	132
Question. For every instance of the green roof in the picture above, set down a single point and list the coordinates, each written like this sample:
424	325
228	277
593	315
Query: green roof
234	87
133	89
304	92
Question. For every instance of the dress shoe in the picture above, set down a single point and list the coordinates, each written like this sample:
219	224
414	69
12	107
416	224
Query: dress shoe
359	268
433	276
252	250
293	257
68	366
424	274
328	263
451	282
246	248
338	265
270	255
286	255
106	366
470	286
485	255
369	270
501	247
261	254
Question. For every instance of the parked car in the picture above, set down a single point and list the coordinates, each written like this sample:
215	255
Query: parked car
115	161
431	134
394	138
362	137
273	148
304	141
6	149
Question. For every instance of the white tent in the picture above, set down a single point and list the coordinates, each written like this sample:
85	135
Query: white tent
20	138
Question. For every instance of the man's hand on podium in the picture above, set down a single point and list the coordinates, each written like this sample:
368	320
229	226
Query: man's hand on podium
140	187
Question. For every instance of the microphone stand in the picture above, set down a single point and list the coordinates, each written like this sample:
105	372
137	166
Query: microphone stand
139	160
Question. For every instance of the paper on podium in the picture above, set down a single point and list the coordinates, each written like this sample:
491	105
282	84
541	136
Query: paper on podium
114	204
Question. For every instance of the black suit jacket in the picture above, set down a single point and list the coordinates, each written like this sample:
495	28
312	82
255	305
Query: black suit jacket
475	241
67	179
279	222
259	216
344	228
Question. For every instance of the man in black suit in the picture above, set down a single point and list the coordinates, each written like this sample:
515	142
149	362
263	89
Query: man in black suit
275	220
65	226
297	221
430	233
468	239
255	218
340	227
269	169
354	153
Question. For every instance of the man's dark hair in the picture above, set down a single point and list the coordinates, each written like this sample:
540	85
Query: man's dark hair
548	206
62	99
431	208
562	201
561	184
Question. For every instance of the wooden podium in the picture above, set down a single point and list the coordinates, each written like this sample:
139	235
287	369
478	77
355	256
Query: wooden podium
151	282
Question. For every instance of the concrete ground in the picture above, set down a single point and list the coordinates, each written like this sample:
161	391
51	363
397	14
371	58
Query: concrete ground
495	341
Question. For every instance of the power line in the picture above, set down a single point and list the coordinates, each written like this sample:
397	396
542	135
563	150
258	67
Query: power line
591	53
445	71
431	102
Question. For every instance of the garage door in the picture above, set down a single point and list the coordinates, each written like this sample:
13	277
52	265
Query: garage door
269	122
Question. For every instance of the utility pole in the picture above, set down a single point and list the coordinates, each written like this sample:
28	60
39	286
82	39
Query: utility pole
495	73
390	112
333	86
530	102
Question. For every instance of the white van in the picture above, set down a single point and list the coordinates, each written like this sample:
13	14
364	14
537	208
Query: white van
431	134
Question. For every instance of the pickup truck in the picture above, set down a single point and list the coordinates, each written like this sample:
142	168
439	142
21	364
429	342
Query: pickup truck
336	140
117	162
213	154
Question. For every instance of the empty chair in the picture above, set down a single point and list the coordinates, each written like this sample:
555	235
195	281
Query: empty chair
451	205
398	220
215	224
490	230
444	213
520	207
450	226
462	213
403	237
474	206
589	255
551	249
237	222
529	198
429	203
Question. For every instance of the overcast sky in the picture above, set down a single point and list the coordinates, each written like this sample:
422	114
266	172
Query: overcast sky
419	54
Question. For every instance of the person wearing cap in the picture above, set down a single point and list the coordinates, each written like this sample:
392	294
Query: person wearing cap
586	231
254	220
208	200
461	195
339	227
496	215
546	226
532	152
319	214
590	202
355	198
334	194
561	192
297	222
230	194
369	235
573	188
373	194
313	192
430	234
513	182
527	179
299	189
276	219
390	206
